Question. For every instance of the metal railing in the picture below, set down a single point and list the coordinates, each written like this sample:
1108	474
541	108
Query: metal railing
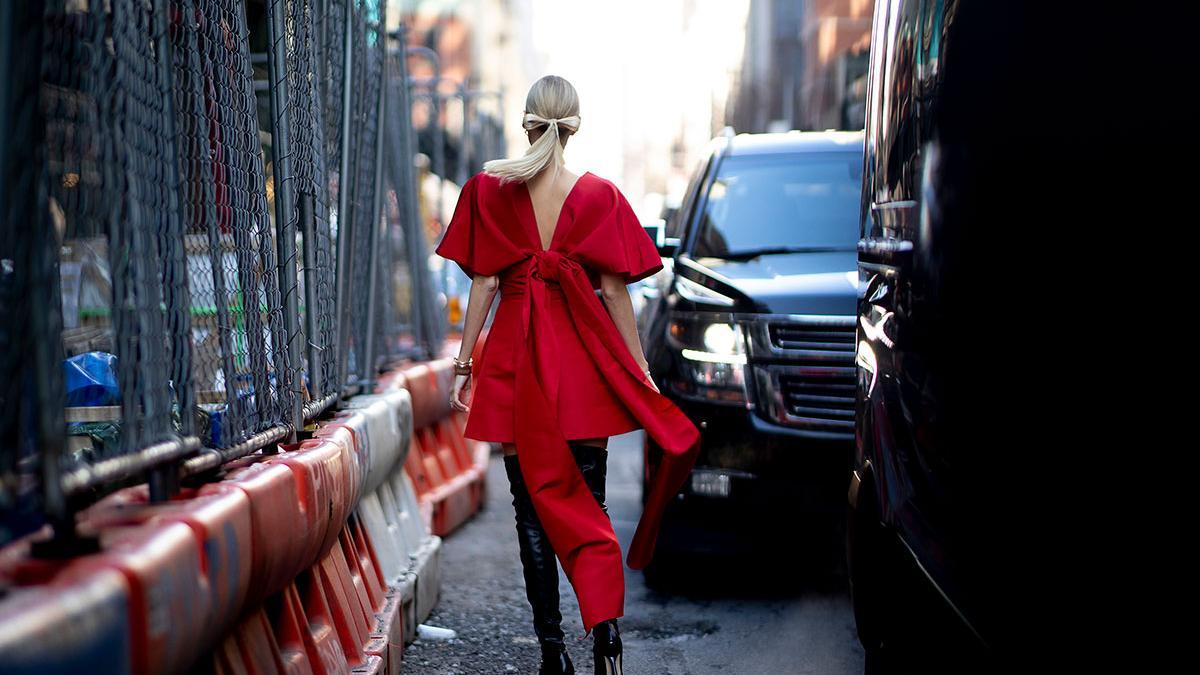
209	236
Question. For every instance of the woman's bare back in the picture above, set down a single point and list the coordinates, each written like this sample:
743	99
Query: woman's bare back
548	191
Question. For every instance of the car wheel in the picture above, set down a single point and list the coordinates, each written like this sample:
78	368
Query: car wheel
868	562
659	573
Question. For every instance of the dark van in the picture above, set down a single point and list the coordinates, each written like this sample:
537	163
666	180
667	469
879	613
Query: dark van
958	372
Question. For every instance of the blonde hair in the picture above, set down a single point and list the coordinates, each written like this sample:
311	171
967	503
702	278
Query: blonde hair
552	102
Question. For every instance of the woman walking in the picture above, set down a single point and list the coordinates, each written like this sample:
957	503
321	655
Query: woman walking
562	368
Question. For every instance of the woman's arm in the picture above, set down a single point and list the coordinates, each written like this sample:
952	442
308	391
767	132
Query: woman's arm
479	303
620	307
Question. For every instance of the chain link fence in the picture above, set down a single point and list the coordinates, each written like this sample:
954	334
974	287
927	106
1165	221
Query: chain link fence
236	313
209	236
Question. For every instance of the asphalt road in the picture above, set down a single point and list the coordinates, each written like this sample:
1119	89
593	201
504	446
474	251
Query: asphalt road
724	618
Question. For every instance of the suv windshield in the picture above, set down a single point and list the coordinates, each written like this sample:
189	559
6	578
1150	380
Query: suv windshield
781	203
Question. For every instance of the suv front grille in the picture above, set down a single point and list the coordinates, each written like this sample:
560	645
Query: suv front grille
799	336
820	396
804	373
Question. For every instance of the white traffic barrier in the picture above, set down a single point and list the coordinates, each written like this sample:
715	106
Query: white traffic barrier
408	553
389	431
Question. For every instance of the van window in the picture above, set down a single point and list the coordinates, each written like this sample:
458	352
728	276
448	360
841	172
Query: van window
797	200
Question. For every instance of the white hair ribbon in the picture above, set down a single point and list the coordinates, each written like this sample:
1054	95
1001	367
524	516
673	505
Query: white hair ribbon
533	119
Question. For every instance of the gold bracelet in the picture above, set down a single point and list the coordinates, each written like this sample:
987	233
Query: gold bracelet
463	367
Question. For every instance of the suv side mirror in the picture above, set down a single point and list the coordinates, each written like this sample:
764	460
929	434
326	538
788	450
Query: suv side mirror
666	245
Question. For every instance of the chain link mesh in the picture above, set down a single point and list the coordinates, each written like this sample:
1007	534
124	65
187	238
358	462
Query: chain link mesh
430	324
367	50
27	247
309	162
401	290
233	275
152	165
112	182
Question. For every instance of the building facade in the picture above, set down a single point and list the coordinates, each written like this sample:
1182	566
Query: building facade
804	65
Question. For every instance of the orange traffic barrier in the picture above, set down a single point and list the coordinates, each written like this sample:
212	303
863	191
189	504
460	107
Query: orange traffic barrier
355	436
448	495
282	532
327	489
167	599
251	649
219	520
317	559
447	469
33	617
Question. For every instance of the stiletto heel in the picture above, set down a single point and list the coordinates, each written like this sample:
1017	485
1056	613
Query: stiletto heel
606	648
612	665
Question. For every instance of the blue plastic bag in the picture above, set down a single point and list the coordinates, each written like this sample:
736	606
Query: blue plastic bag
92	379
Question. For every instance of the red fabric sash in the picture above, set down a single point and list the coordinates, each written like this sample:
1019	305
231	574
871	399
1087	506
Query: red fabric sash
580	532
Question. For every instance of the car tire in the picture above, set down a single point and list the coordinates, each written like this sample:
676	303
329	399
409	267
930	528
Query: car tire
659	574
868	562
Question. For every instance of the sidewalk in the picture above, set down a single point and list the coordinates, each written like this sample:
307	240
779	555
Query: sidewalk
483	600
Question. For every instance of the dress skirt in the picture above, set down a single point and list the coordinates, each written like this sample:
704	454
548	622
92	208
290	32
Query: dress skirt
587	405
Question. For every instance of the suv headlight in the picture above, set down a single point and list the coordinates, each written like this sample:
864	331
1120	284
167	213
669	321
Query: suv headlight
713	351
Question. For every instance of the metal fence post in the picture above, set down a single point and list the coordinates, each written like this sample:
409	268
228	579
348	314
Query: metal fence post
344	240
424	310
308	221
29	276
164	479
439	141
464	143
376	215
284	203
49	399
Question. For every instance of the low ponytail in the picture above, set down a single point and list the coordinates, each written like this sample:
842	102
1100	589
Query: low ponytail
553	103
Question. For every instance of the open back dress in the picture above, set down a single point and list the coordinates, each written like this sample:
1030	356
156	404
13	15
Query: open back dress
555	367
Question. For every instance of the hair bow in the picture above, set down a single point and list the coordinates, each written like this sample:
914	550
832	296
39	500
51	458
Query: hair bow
532	120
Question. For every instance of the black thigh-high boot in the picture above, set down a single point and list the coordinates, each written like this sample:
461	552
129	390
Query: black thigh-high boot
541	575
606	645
593	464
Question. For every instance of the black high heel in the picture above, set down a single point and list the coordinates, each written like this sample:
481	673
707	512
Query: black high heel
540	568
606	648
555	660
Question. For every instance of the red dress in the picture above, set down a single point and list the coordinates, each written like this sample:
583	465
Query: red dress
555	367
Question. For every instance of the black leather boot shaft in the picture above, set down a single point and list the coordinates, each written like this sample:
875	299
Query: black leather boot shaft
538	563
593	464
540	568
606	645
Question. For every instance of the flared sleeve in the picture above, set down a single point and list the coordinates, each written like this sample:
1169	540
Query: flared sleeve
616	243
474	238
461	243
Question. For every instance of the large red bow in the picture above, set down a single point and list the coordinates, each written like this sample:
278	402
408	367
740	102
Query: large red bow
579	531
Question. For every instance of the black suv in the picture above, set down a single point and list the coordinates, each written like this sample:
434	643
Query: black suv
749	329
